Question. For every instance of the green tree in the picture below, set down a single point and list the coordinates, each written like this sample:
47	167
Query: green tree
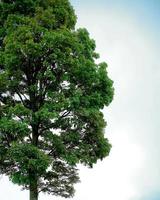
52	94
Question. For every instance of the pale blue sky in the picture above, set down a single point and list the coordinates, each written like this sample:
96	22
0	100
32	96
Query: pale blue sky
128	38
147	12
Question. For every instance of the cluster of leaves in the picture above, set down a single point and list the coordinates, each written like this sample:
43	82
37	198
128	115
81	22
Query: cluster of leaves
52	93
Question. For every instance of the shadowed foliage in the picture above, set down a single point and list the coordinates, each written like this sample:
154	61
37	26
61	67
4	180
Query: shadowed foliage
52	92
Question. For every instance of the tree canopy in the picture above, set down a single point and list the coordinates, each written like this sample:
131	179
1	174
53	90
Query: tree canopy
52	92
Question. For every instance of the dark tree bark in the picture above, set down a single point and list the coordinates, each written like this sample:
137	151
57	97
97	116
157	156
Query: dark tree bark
33	189
33	177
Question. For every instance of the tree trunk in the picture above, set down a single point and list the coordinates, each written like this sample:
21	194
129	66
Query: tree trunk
33	189
33	195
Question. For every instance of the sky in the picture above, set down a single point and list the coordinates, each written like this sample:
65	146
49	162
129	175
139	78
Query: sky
127	38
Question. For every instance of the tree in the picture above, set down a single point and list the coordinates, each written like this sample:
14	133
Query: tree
52	94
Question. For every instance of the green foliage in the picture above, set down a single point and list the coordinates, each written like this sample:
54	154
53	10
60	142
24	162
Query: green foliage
52	92
27	158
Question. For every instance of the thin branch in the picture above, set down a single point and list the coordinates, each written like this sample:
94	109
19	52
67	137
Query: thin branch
30	138
65	114
53	125
20	98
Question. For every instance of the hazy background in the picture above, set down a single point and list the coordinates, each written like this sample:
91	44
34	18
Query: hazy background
127	35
